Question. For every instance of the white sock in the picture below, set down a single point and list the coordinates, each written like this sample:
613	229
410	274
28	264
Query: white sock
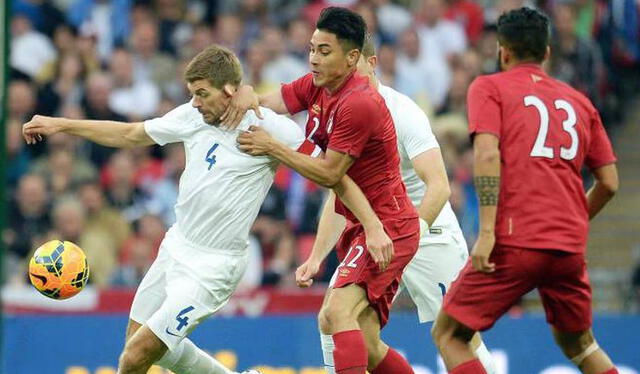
189	359
327	353
486	359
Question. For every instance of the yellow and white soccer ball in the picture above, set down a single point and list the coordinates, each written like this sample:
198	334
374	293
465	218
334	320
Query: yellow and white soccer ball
59	270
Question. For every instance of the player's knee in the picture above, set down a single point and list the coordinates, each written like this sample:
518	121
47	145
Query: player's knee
323	322
335	313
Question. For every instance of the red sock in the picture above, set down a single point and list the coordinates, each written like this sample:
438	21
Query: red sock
469	367
393	363
613	370
350	352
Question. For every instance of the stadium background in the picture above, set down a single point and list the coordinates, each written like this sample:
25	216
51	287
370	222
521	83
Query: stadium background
122	60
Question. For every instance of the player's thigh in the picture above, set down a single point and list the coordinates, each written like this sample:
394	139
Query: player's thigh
346	302
430	273
478	299
132	327
190	300
566	293
151	291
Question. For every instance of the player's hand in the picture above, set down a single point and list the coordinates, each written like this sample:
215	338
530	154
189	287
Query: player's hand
256	141
241	101
34	130
380	247
482	251
306	272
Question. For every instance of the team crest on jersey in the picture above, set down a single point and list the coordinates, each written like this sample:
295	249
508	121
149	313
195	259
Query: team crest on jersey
536	78
343	272
315	109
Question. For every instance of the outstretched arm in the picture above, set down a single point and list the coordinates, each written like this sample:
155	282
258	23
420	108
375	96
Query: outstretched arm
107	133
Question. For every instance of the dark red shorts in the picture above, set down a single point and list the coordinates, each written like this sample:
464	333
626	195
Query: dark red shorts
477	299
357	266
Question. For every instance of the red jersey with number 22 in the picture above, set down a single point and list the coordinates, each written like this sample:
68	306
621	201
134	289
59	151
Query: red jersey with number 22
547	132
355	120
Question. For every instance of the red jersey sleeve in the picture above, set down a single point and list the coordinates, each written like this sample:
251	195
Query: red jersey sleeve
297	94
600	152
484	107
352	125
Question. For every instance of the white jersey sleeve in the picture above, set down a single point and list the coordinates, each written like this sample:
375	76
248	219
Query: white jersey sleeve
286	131
413	128
175	126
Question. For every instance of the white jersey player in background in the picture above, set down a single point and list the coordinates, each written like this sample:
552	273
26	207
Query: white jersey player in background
204	254
443	250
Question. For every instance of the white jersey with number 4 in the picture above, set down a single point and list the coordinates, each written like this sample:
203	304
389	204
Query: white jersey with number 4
221	188
414	137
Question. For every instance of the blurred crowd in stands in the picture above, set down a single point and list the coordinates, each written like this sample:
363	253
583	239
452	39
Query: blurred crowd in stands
123	60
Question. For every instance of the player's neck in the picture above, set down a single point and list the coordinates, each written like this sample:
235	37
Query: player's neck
516	64
336	85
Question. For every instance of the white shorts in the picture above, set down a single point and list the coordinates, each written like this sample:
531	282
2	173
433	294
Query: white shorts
173	298
436	264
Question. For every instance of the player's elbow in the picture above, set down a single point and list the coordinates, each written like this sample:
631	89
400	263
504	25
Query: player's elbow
330	180
486	155
607	178
610	185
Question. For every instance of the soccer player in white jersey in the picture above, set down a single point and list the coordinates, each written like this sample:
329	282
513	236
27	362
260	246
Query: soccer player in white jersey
203	256
443	250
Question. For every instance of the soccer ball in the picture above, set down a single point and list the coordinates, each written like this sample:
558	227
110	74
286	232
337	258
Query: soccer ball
58	269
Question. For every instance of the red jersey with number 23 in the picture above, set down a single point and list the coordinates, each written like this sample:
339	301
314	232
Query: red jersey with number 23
355	120
547	132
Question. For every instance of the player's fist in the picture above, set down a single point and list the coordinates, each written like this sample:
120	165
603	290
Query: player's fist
306	272
482	251
33	130
380	247
256	141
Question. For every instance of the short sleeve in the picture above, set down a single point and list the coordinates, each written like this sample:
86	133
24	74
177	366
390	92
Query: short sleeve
173	127
414	130
352	126
484	108
297	94
288	132
600	152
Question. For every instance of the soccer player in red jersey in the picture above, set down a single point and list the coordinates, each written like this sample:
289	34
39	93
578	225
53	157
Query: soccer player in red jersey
349	120
531	136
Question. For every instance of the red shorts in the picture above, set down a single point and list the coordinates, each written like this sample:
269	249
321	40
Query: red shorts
357	266
478	299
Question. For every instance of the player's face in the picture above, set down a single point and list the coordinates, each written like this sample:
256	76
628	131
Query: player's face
329	62
210	101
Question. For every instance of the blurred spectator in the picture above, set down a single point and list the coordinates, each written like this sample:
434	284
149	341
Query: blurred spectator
298	35
131	272
228	32
66	88
18	156
575	60
43	15
368	14
29	212
488	50
31	51
70	223
22	101
149	63
469	15
387	69
120	187
441	38
423	79
171	28
281	67
109	19
255	61
456	102
136	99
392	18
275	237
201	37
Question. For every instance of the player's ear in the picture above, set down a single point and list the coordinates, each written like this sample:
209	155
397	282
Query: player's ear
373	62
229	89
547	53
352	57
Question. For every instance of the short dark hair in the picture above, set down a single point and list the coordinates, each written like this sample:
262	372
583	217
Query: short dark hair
368	48
526	32
349	27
